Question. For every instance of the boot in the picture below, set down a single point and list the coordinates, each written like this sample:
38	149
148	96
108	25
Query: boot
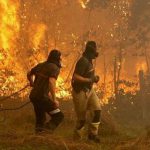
39	129
94	138
78	134
49	127
93	132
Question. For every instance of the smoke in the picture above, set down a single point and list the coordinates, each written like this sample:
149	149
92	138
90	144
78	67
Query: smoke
139	25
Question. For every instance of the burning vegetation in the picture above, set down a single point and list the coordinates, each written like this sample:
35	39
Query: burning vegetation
29	29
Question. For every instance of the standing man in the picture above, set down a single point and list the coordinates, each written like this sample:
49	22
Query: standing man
43	80
84	96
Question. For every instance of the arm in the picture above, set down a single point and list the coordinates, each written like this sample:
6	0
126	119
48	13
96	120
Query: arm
52	87
80	78
30	78
31	74
80	70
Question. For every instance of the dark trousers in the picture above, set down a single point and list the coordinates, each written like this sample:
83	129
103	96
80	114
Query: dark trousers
41	107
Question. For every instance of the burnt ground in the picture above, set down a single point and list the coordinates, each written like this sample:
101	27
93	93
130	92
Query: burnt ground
17	132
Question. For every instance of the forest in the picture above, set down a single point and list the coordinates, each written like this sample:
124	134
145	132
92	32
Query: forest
30	29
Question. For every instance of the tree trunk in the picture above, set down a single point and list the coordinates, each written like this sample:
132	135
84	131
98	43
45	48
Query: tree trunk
147	62
142	94
105	70
115	78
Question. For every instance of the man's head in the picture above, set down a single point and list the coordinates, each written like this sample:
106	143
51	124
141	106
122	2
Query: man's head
91	50
54	56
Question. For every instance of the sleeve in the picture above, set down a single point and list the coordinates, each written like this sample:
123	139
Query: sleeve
81	67
53	71
35	69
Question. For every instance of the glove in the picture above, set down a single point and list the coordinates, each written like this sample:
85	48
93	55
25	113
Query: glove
95	79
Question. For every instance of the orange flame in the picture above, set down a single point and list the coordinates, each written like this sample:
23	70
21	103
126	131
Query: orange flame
61	89
8	34
38	34
9	24
9	31
141	66
83	3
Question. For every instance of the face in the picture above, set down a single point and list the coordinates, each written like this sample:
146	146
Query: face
96	53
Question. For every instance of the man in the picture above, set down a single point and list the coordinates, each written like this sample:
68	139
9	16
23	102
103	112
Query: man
43	80
84	96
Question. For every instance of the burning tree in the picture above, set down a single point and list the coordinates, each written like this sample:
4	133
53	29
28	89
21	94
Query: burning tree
38	26
8	34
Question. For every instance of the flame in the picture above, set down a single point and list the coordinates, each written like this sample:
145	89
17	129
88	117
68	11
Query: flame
141	66
1	56
84	3
38	34
14	80
108	93
9	24
130	89
61	89
10	27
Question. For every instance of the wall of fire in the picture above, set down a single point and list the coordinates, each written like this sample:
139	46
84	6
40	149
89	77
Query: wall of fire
29	29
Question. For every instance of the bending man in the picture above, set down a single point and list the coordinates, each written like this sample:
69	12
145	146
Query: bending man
42	95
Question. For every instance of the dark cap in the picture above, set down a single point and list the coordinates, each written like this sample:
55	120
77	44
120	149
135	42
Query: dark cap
91	50
91	45
54	55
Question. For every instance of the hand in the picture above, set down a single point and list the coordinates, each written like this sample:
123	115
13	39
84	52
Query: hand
56	103
95	79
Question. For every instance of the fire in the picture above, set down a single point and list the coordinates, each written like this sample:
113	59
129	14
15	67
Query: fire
83	3
38	34
141	66
9	24
13	77
1	56
9	28
9	32
108	93
61	89
130	89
